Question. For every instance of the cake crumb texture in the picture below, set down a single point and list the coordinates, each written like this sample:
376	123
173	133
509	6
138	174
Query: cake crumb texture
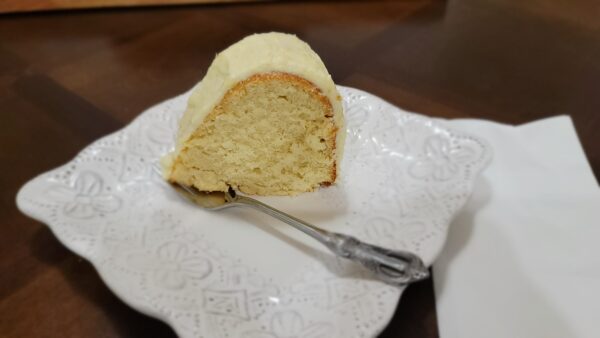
272	134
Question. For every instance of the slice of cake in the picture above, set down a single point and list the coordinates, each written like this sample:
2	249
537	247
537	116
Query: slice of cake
266	119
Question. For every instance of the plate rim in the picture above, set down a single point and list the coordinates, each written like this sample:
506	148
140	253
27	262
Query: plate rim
149	311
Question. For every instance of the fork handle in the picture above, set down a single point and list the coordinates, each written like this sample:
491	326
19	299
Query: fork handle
395	267
392	266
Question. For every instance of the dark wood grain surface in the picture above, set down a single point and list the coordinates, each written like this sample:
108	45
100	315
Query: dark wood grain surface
67	78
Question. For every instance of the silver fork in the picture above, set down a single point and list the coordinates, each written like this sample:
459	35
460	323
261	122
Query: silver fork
391	266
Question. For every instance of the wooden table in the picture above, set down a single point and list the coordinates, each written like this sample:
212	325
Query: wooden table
67	78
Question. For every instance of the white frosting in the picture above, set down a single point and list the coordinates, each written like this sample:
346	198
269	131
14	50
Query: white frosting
258	53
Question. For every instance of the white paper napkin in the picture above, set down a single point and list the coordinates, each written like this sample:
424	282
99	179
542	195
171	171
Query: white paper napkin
523	258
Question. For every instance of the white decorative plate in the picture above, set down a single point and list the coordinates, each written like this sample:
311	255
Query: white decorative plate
238	273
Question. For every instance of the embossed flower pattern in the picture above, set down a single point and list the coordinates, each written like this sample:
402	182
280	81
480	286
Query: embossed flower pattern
190	282
355	118
289	324
161	133
179	265
441	160
85	198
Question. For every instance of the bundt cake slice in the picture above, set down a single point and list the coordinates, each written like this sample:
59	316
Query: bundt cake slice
266	120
